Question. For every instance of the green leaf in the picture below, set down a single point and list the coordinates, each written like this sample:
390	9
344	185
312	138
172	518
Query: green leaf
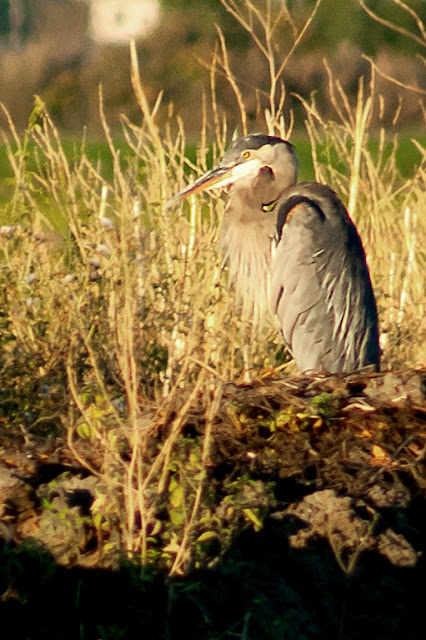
176	517
177	496
207	535
250	515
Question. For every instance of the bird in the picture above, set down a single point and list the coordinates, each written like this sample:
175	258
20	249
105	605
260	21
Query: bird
293	250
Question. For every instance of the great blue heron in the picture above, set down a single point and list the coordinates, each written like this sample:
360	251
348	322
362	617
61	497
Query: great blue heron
293	248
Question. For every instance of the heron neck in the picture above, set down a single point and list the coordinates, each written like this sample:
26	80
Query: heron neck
247	248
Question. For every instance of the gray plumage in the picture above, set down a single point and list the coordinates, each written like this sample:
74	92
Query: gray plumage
293	248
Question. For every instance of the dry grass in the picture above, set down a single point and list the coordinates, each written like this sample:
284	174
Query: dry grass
122	306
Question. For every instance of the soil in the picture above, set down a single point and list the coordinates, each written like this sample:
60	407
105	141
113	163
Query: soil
331	544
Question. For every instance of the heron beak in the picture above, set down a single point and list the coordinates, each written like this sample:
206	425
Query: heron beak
219	177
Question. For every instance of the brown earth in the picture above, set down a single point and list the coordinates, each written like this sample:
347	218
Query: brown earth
329	543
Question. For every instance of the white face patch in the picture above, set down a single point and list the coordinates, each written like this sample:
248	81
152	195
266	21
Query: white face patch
248	168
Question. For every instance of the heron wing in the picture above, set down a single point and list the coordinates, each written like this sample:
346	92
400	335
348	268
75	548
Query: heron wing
321	290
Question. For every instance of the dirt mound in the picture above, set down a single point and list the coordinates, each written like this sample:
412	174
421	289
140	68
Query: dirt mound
313	511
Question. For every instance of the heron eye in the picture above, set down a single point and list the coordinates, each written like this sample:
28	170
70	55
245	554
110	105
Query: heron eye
246	154
270	206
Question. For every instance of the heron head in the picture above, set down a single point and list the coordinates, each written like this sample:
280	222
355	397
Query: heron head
264	162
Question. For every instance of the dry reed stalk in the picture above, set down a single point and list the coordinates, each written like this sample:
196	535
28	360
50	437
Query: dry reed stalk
410	225
362	113
184	551
232	81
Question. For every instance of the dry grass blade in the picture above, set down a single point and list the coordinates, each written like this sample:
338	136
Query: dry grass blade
211	413
398	83
231	79
362	113
261	24
396	27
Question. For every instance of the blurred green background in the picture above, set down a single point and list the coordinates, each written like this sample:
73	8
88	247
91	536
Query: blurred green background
63	50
